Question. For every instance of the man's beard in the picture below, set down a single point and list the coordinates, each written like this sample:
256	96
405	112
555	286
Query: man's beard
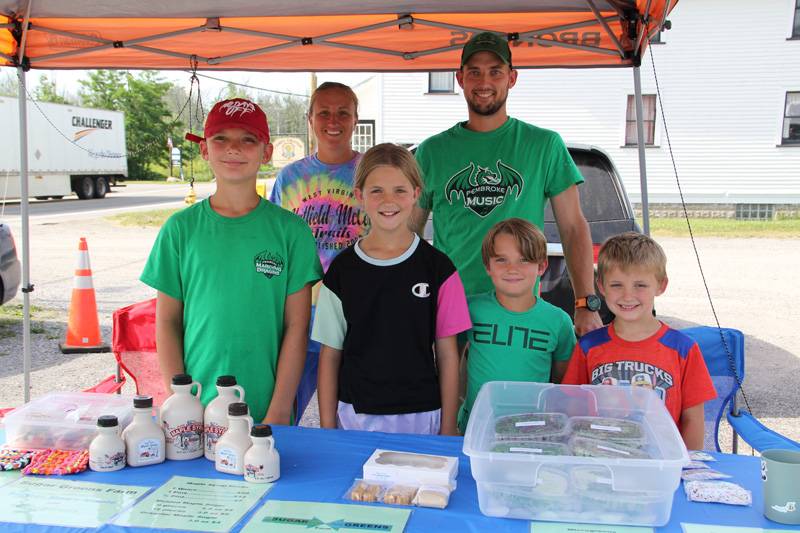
489	109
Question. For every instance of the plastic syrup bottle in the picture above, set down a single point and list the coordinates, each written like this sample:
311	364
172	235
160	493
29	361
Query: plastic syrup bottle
262	464
215	418
107	450
182	419
144	438
234	443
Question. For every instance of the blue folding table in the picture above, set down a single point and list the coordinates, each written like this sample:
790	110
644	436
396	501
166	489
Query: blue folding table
319	465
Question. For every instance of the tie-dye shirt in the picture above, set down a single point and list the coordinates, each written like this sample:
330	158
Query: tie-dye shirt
322	195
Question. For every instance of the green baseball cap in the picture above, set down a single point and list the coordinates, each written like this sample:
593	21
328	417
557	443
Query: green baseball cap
487	42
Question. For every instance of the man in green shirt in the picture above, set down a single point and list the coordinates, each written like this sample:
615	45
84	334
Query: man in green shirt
493	167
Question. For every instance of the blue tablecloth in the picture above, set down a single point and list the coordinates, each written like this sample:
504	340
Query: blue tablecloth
320	465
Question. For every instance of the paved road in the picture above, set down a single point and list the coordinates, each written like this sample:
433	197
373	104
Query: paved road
136	196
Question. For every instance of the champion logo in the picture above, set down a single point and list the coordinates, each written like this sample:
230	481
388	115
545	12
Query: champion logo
240	107
421	290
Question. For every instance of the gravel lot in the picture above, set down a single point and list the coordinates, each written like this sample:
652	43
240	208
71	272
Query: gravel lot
751	281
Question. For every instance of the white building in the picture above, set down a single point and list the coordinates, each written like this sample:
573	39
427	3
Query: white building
729	76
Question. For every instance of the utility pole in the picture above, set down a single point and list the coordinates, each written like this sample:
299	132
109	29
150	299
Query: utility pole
311	141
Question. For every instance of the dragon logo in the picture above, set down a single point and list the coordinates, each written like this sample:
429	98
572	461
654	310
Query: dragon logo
482	189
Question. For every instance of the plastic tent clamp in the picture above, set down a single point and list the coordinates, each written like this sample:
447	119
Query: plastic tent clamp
312	35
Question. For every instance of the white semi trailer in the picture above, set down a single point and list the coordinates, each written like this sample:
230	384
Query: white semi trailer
70	149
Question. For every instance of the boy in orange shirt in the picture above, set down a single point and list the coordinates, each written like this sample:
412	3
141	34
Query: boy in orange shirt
636	348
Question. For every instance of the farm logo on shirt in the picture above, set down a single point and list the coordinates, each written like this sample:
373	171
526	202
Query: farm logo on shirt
482	188
269	264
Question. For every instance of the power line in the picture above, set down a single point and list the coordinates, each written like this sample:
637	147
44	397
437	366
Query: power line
251	86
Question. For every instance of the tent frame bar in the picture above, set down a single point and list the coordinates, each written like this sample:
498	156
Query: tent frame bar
27	288
602	21
637	87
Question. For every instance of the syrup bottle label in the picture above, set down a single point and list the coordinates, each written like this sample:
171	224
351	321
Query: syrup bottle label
185	438
213	433
149	451
227	458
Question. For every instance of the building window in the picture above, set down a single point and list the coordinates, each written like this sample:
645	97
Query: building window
364	135
441	82
791	119
796	26
755	211
649	109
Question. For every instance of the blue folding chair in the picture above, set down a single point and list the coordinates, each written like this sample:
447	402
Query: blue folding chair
723	352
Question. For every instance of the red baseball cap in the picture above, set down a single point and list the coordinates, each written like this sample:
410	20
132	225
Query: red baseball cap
235	113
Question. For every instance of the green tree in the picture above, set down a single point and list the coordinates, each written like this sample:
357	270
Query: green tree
46	91
148	119
8	84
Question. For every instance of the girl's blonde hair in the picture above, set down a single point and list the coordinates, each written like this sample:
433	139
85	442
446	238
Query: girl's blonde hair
328	86
387	155
530	240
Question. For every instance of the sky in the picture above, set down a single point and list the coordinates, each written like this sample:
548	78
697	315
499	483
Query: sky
291	82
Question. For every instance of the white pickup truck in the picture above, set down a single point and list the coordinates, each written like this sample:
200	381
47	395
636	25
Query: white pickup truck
70	149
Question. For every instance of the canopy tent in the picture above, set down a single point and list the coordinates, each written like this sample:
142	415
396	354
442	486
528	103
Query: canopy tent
314	35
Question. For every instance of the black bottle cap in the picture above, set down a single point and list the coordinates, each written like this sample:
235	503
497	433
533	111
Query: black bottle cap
181	379
142	401
261	430
237	409
107	421
226	381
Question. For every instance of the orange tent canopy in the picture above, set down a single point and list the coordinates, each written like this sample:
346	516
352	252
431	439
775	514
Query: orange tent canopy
321	35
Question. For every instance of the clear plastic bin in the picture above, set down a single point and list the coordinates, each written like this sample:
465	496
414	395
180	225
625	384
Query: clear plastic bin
64	420
569	488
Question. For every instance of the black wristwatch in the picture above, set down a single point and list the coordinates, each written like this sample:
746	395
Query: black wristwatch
590	302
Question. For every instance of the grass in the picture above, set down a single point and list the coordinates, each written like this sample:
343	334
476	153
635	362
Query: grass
725	227
143	219
11	320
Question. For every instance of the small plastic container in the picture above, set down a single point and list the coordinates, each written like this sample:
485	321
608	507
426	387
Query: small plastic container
621	430
586	447
620	490
536	447
531	426
64	420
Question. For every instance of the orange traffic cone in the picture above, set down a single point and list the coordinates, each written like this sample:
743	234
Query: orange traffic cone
83	330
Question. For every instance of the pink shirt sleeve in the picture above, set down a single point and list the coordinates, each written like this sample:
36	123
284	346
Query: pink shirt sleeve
452	313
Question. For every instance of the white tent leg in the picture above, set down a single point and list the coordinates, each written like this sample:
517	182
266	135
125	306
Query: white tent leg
26	270
637	87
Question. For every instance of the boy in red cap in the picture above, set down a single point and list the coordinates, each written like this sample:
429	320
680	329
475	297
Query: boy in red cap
234	275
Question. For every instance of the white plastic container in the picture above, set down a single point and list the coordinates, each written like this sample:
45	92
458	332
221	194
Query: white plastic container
107	450
568	488
231	447
215	417
64	420
182	420
262	463
144	438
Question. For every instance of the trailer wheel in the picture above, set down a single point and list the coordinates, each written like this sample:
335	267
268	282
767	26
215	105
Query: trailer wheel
85	187
100	187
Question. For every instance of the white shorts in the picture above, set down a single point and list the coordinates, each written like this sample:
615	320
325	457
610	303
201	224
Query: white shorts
424	423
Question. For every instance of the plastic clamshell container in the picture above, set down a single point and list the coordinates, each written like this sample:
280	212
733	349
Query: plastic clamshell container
390	466
531	426
568	488
64	420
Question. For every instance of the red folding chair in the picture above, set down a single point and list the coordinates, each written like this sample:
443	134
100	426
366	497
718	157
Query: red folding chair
134	346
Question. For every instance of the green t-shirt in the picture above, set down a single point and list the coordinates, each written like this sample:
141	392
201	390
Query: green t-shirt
233	276
509	346
475	179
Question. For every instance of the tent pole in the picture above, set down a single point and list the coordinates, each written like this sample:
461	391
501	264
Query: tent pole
637	87
26	270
